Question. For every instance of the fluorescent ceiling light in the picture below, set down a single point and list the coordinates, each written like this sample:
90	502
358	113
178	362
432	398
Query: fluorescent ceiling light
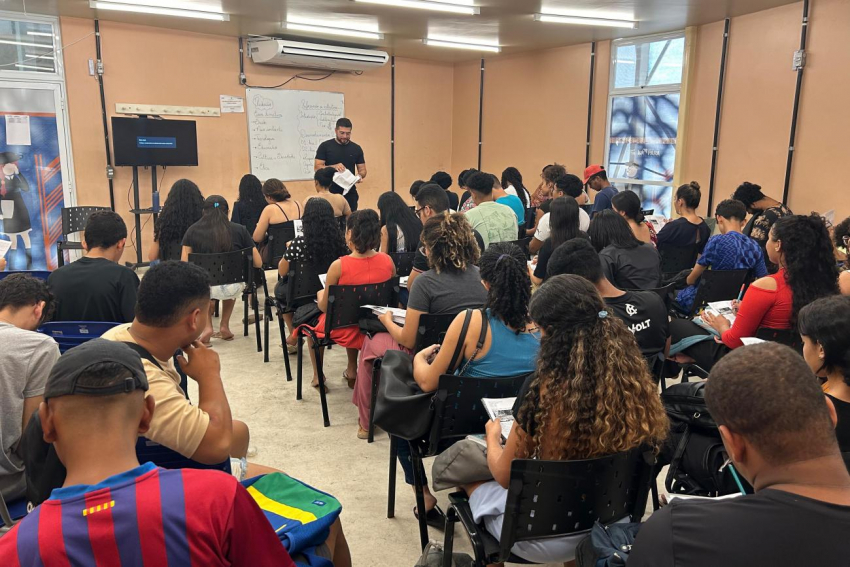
26	44
456	7
347	32
40	68
41	33
585	21
461	45
144	9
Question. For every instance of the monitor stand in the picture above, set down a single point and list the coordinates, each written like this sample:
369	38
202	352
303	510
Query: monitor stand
137	212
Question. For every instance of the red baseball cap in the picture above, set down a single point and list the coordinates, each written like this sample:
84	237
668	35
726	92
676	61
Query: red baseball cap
591	171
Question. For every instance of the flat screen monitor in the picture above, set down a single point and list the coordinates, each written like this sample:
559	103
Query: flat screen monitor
149	142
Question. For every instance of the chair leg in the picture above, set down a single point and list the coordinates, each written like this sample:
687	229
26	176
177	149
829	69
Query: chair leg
418	485
300	365
448	540
320	372
245	315
268	314
654	489
391	487
376	376
285	351
256	305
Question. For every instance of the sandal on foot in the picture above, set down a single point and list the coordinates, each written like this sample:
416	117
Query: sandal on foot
223	337
434	517
316	385
349	379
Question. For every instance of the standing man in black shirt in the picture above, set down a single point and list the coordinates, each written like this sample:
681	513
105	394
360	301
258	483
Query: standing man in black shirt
341	154
778	429
96	287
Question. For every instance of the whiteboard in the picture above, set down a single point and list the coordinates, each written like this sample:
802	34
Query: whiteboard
285	127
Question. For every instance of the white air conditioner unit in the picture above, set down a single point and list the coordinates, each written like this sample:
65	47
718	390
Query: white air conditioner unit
314	55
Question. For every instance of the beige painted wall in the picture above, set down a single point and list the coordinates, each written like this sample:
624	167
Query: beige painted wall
466	89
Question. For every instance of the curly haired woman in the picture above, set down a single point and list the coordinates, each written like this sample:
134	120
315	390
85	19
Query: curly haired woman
182	209
578	405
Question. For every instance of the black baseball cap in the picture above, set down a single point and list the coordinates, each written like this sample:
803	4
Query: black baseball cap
64	379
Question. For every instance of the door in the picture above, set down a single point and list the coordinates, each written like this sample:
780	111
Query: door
34	181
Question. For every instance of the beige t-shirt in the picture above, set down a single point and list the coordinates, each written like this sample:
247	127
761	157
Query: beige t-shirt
338	202
176	423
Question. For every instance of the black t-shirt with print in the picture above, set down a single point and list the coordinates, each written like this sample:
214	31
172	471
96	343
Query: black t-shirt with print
645	315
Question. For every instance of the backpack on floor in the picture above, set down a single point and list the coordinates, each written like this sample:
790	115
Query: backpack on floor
432	556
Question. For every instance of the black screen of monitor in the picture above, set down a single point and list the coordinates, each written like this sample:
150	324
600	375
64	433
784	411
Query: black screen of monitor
146	141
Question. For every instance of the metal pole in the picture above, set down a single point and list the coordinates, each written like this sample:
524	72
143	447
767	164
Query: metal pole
590	102
480	113
795	112
99	71
137	215
720	85
392	123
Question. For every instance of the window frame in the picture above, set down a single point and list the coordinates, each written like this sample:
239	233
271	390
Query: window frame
58	75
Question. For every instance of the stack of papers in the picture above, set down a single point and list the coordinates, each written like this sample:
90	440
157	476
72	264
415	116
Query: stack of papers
716	308
399	315
4	247
403	281
346	180
657	221
324	279
502	410
691	497
751	341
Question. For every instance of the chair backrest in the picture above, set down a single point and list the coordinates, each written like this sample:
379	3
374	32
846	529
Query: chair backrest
432	329
530	217
665	293
69	334
711	223
38	274
556	498
171	251
523	244
345	301
74	219
279	235
403	262
458	410
303	284
162	456
788	337
718	285
674	259
226	267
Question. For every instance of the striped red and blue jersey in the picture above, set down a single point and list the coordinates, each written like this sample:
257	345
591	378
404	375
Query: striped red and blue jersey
147	516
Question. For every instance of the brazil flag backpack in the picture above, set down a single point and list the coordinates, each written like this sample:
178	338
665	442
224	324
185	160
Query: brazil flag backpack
299	514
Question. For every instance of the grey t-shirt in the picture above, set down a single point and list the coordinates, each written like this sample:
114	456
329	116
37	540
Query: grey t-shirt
448	292
26	359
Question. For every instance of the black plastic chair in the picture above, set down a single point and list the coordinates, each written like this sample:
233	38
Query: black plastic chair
74	219
788	337
403	262
718	285
556	498
675	259
278	236
530	220
344	310
458	412
523	244
162	456
432	330
37	274
230	268
302	286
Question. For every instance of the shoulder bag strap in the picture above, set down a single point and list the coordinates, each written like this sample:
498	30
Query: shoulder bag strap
485	324
143	353
460	341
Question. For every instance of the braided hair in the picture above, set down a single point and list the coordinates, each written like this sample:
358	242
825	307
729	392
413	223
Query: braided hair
503	267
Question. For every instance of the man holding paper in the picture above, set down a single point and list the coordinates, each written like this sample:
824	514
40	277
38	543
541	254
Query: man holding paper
343	155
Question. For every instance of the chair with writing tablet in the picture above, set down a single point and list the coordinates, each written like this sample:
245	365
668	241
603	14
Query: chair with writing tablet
74	220
718	285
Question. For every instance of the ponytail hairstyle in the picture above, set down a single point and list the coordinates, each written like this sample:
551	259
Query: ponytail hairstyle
594	405
809	259
689	193
628	203
512	176
504	268
214	227
826	321
563	220
450	243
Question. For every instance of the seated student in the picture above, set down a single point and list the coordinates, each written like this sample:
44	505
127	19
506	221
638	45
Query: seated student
451	285
323	179
643	312
800	245
564	226
214	234
322	243
414	188
689	228
444	180
466	202
779	435
171	313
512	184
115	511
765	212
548	177
512	201
400	227
567	185
576	406
26	358
627	262
596	178
250	204
97	287
281	208
495	222
181	210
364	265
627	204
429	204
730	250
842	246
824	326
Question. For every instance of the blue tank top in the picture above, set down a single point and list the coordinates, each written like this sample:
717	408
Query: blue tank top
510	354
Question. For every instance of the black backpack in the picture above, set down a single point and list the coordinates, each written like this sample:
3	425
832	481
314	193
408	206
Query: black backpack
694	449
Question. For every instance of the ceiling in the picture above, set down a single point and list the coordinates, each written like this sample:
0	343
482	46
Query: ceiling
509	22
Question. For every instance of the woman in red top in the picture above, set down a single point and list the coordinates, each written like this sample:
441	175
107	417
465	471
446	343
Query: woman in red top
363	266
801	247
